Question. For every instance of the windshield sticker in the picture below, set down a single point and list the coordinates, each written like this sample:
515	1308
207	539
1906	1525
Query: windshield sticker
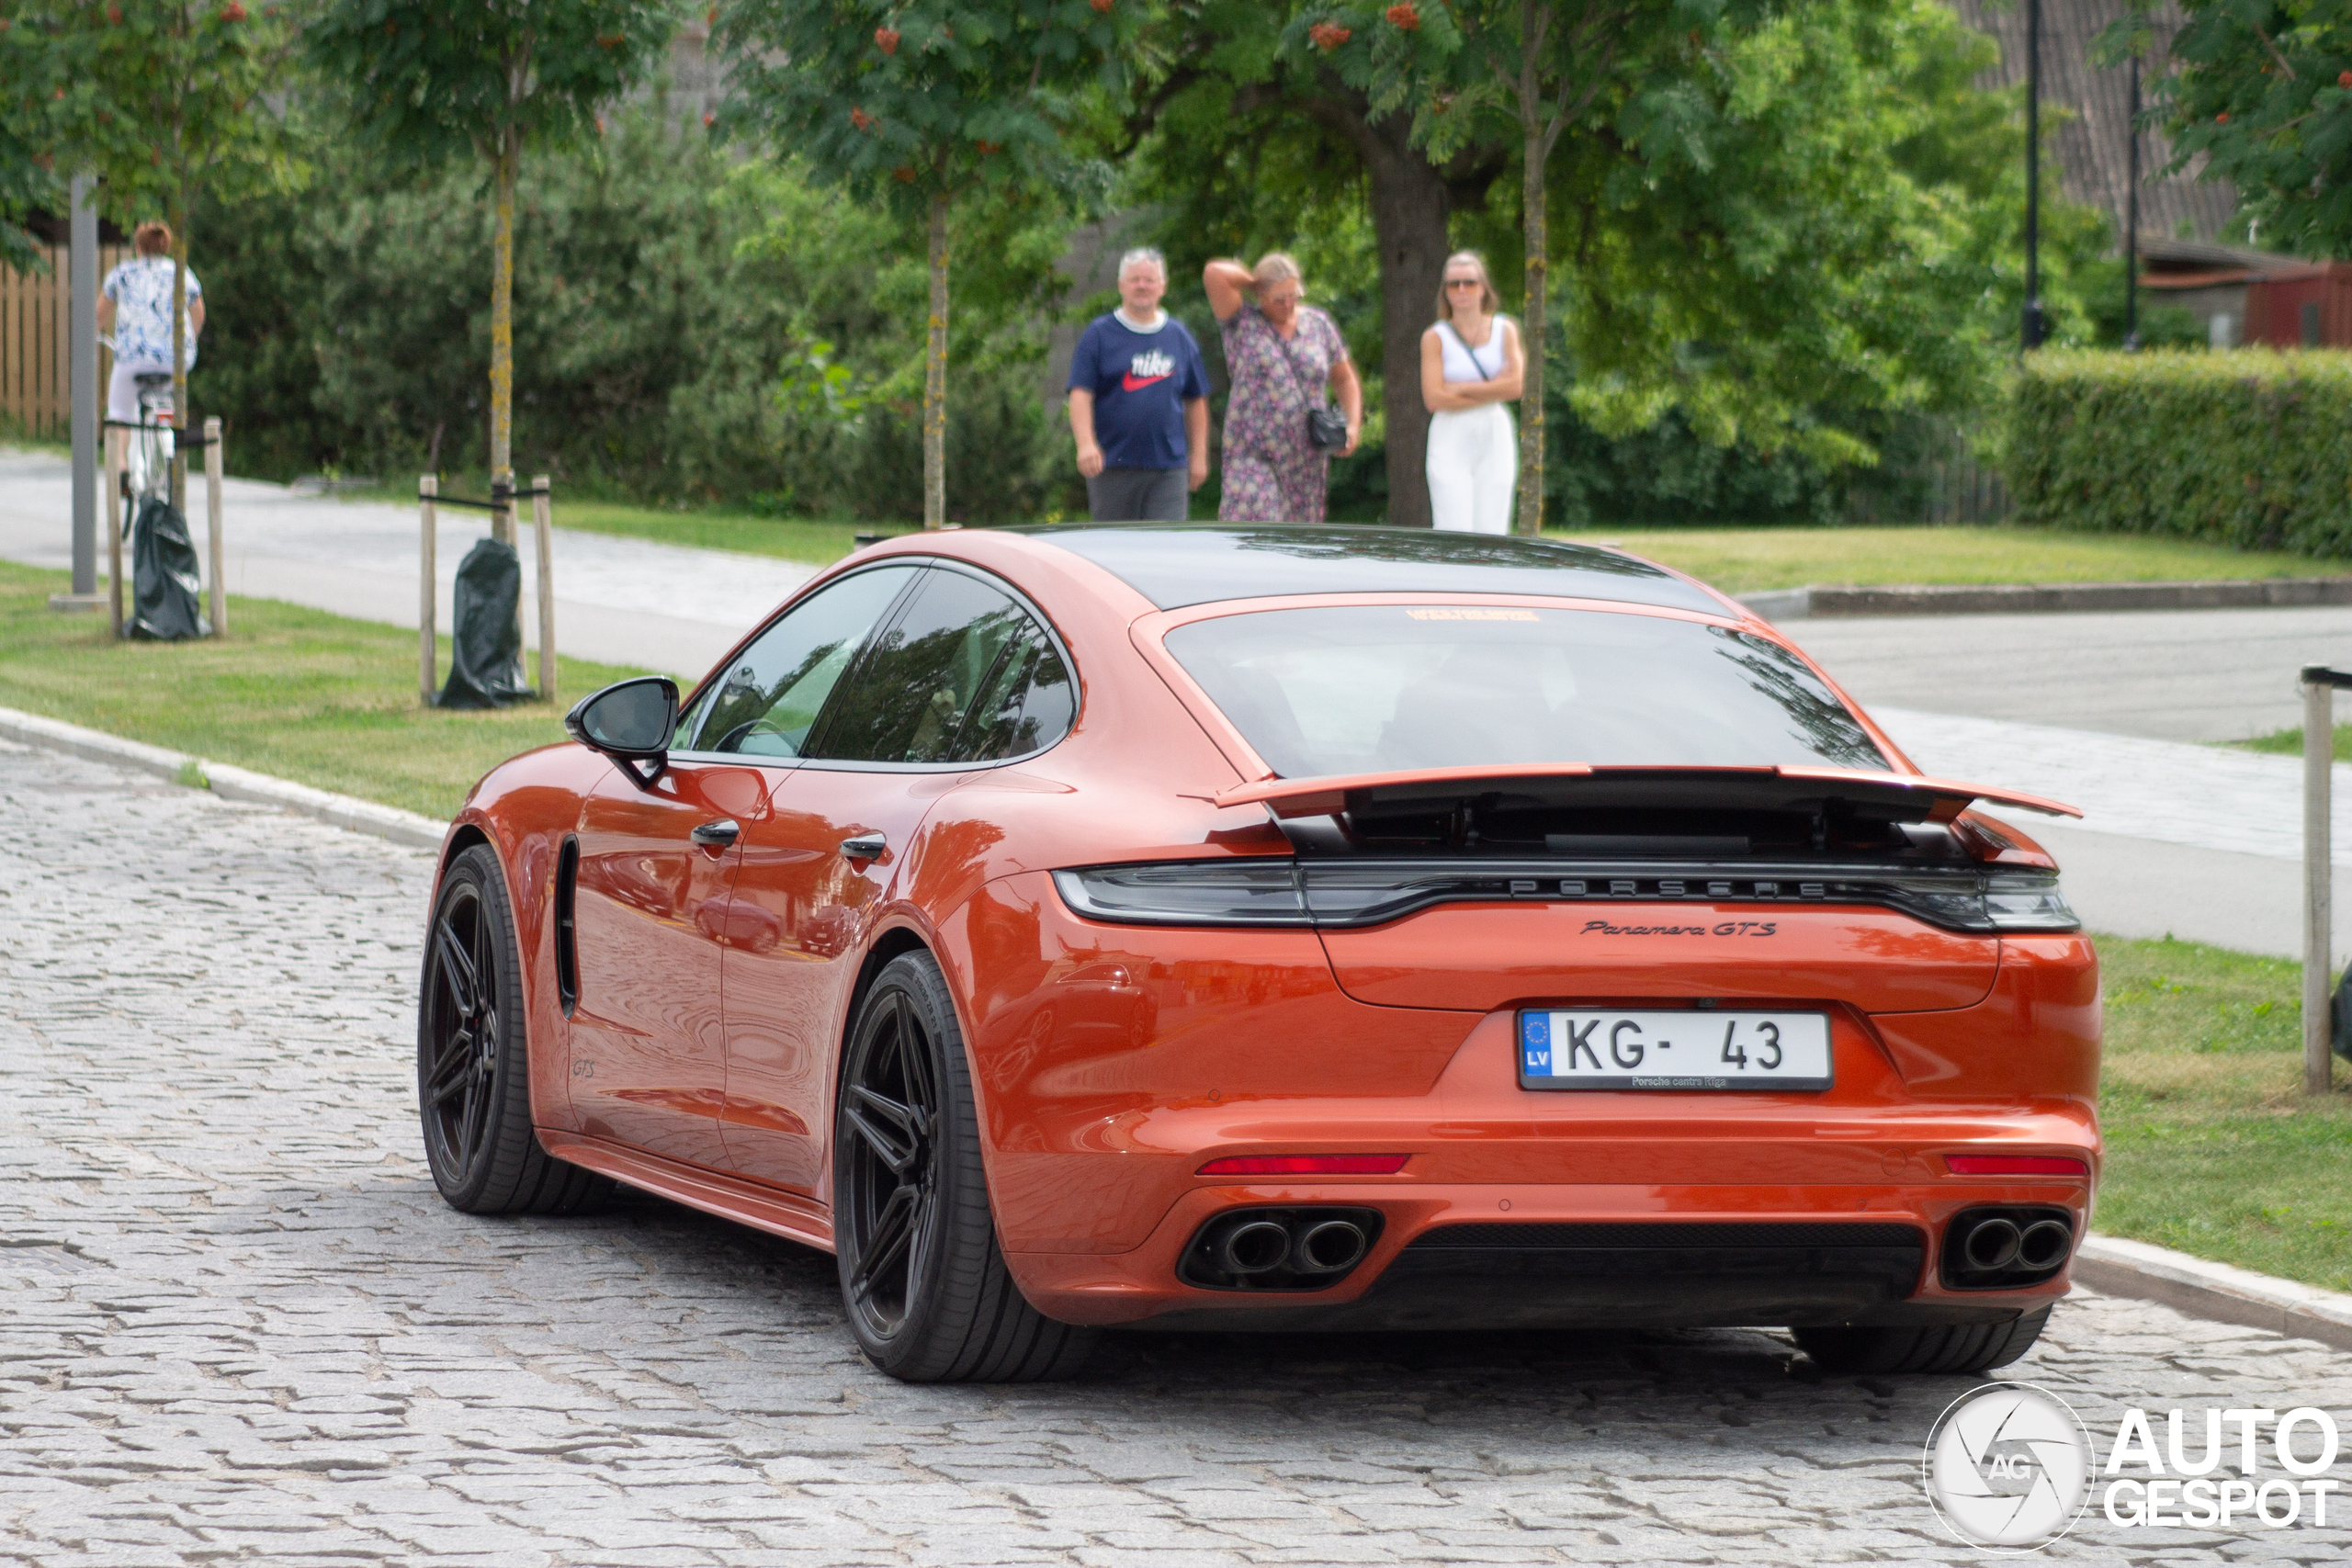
1452	613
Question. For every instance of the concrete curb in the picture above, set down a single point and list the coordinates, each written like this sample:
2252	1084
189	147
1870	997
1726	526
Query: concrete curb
227	782
2115	1266
2030	598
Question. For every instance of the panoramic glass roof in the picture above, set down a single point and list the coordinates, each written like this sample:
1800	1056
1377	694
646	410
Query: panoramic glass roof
1174	566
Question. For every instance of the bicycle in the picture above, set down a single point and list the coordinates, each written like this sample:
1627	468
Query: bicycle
148	456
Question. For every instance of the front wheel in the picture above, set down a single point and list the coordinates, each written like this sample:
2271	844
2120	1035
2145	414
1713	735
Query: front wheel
1955	1347
928	1294
473	1059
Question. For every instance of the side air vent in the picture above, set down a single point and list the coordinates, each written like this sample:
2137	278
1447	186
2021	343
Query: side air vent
567	932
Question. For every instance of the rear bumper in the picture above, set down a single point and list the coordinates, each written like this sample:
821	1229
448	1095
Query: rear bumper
1600	1256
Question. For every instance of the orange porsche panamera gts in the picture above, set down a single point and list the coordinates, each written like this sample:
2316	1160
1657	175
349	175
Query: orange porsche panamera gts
1300	927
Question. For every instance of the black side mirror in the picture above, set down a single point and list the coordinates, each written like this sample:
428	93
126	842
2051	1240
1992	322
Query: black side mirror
630	722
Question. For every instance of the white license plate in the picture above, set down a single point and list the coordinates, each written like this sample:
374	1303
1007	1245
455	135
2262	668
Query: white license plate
1580	1048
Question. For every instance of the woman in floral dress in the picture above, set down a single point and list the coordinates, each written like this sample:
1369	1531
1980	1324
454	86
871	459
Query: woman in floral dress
1279	356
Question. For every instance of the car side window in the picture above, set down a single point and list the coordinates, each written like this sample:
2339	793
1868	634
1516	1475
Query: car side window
767	701
963	675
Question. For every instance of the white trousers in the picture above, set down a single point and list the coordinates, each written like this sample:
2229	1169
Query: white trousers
122	390
1473	468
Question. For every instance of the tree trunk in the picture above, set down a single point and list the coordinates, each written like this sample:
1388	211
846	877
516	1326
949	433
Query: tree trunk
934	377
501	337
1538	236
1410	206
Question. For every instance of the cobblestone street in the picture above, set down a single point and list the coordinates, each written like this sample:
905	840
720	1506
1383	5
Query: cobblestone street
240	1326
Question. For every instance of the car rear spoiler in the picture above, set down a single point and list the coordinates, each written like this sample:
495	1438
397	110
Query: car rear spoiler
1908	797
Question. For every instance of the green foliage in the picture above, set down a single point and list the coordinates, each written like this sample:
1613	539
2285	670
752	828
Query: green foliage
432	80
2244	448
2263	96
164	97
668	311
902	100
31	69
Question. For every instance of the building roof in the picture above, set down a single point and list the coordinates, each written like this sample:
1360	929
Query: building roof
2091	139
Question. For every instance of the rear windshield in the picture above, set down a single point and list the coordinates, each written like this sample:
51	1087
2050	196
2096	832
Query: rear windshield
1380	689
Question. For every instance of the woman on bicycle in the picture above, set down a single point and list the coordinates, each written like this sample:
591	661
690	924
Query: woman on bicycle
136	307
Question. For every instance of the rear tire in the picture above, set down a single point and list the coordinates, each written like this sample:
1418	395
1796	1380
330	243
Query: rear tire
473	1059
1947	1349
923	1279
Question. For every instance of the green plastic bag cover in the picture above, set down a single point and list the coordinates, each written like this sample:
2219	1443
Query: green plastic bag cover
486	663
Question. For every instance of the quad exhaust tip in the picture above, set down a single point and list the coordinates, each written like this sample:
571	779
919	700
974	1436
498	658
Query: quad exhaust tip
2005	1248
1309	1248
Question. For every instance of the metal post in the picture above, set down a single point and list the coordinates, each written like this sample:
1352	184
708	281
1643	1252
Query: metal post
214	549
82	383
2030	332
543	530
114	529
2319	755
428	486
2131	216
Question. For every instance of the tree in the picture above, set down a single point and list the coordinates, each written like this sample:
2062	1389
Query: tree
1245	135
162	99
30	76
431	81
1454	68
918	104
2263	92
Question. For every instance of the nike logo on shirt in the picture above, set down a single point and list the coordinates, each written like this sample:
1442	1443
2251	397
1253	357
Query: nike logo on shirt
1145	369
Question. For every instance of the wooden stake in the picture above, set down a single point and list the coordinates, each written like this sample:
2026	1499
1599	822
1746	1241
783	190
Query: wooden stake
214	547
543	530
2319	753
114	529
428	486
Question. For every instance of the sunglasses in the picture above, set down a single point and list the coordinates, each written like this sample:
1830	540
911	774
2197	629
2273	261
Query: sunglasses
1464	283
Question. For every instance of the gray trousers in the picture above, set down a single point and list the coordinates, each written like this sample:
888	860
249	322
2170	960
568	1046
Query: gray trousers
1138	495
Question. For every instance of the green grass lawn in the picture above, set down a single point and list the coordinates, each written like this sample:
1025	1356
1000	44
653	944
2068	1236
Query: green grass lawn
2212	1147
1746	560
297	692
2289	742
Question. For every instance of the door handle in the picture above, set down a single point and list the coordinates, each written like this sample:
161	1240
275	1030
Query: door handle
716	835
865	846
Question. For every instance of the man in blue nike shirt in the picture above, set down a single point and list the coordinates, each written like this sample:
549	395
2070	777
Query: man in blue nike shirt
1139	403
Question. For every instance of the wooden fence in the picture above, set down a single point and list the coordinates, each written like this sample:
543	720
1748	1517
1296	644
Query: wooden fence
34	370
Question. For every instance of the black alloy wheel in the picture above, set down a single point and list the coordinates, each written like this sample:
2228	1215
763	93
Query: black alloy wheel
473	1059
927	1291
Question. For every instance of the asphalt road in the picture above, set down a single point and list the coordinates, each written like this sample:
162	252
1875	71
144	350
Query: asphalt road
241	1327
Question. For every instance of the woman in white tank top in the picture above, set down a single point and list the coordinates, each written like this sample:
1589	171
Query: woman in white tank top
1471	365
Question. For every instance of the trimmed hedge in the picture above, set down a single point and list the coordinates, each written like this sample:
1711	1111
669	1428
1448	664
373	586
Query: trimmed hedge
2249	448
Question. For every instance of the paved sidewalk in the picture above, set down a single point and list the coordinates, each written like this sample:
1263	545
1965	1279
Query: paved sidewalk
2171	674
242	1328
623	600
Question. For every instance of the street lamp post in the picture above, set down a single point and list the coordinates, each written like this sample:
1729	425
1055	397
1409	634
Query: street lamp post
2131	216
2035	326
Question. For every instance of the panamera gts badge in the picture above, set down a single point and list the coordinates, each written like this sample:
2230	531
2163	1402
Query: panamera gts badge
1723	928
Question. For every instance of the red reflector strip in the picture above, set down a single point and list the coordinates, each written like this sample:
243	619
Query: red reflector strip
2014	1165
1307	1164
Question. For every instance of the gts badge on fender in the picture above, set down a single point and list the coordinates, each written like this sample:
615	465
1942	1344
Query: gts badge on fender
1725	928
